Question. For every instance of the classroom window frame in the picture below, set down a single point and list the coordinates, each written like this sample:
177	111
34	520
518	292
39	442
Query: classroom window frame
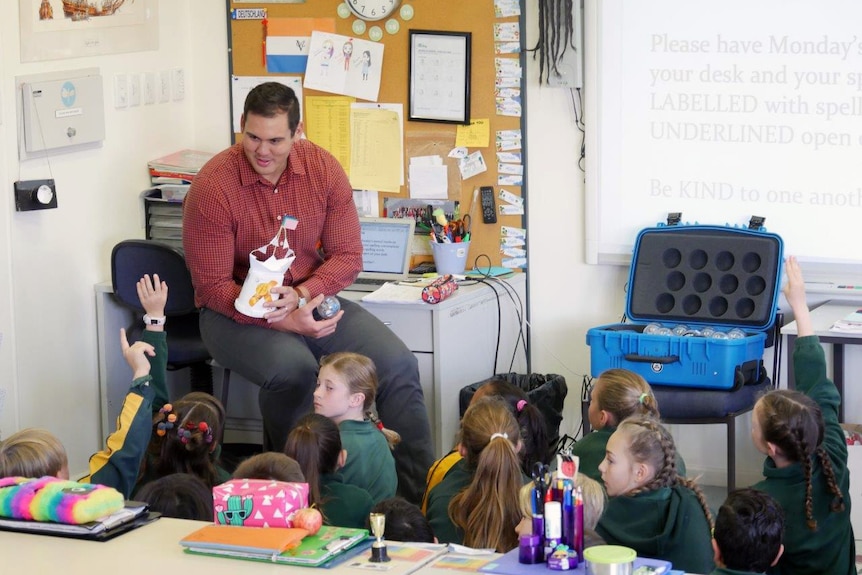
423	104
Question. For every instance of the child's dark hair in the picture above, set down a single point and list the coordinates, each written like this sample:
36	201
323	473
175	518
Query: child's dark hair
793	422
360	374
404	521
624	393
534	430
748	530
315	443
487	509
650	442
270	465
186	434
178	495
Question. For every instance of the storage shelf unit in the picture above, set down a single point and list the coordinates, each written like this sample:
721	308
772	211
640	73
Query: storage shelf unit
164	219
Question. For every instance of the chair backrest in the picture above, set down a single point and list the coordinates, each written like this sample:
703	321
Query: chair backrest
131	259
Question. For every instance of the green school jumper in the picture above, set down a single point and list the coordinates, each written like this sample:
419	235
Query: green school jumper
457	479
831	548
370	464
343	505
667	523
591	451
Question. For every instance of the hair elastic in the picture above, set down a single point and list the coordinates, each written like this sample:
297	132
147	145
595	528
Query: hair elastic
494	436
521	405
641	398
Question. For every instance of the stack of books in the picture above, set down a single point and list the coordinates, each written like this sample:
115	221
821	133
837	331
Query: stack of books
851	323
173	174
290	546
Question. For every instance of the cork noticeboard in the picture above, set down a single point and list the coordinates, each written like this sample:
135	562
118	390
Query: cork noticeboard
246	58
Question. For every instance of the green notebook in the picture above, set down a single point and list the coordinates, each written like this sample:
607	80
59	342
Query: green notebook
314	551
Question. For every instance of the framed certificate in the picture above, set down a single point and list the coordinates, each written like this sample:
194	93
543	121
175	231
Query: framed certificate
439	77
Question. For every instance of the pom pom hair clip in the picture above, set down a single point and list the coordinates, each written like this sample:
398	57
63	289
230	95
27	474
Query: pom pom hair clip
167	420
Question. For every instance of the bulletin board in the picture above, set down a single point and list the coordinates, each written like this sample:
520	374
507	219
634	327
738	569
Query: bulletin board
478	17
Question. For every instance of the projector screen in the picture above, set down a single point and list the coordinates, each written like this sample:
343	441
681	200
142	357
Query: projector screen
723	111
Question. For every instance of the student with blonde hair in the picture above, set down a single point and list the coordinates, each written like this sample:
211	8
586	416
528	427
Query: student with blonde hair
651	508
594	505
616	394
33	452
345	393
476	503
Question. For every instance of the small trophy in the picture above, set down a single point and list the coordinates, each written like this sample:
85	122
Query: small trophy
378	548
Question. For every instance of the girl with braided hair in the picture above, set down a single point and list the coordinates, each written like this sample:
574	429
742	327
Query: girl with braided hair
616	394
806	464
477	502
651	508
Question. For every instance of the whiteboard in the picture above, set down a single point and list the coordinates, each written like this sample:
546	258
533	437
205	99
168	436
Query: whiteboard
721	111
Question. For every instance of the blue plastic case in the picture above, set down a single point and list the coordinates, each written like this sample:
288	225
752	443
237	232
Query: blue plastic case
701	277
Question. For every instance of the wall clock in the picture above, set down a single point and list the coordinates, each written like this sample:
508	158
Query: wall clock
375	11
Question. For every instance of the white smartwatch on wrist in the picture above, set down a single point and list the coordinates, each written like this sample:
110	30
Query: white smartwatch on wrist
301	302
151	320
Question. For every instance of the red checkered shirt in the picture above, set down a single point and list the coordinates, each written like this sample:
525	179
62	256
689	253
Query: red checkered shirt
231	211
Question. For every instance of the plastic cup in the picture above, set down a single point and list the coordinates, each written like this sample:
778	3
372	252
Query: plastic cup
450	258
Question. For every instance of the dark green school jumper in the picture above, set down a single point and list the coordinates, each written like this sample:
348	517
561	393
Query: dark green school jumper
343	505
667	523
831	548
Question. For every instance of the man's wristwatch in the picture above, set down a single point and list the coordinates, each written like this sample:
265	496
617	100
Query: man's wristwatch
301	302
150	320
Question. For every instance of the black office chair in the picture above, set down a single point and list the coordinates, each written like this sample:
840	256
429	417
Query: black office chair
130	260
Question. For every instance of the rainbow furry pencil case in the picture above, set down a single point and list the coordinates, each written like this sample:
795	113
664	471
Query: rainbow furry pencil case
57	500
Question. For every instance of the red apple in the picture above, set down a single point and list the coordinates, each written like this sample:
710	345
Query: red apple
309	519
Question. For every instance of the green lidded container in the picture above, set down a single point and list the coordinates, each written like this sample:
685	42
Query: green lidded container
609	560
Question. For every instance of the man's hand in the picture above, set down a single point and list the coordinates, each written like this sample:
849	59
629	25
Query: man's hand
135	355
302	321
283	306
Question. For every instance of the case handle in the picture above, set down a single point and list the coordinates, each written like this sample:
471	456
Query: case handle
651	358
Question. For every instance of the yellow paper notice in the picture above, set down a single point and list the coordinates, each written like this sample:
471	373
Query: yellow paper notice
477	134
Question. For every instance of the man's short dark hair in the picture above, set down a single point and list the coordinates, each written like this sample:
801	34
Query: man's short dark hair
270	99
748	530
404	521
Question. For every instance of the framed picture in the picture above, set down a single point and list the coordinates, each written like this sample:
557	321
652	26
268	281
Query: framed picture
57	29
439	77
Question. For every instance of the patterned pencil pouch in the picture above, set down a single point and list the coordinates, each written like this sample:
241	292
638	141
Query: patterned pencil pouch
439	289
57	500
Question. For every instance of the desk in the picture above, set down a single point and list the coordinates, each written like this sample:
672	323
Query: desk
148	550
822	318
454	342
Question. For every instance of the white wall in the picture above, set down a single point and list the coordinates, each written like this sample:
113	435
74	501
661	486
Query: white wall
50	260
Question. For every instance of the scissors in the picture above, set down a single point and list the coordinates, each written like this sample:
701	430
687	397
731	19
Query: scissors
466	226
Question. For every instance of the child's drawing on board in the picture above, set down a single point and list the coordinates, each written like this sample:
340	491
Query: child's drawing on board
325	54
347	53
365	60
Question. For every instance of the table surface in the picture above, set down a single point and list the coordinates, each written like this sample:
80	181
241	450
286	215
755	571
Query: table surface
822	318
147	550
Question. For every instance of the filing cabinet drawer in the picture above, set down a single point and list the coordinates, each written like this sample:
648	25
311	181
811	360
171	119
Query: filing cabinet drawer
412	326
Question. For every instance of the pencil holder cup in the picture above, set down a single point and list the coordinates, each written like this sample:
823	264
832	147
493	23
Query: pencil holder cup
450	258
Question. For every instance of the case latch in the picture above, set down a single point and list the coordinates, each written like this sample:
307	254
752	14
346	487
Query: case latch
756	222
673	218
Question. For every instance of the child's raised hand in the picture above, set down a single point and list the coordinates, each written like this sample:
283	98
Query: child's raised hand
794	288
153	295
794	292
135	355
